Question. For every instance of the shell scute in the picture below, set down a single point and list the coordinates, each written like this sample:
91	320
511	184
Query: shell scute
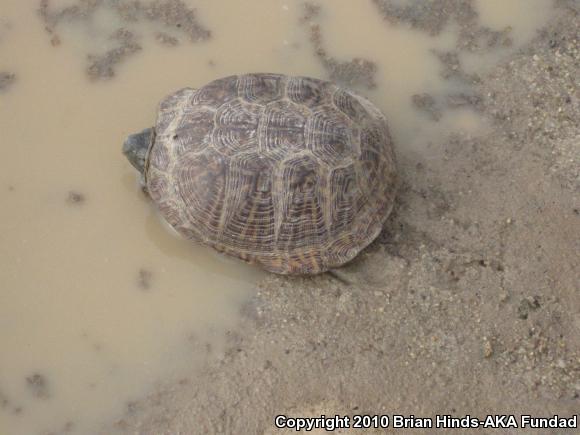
235	128
250	183
200	181
192	132
350	105
310	93
301	199
281	130
344	199
216	92
261	88
331	137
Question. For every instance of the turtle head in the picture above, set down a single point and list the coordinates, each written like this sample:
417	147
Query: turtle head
136	146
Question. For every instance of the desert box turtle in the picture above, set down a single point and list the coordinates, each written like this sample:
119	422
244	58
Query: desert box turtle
292	173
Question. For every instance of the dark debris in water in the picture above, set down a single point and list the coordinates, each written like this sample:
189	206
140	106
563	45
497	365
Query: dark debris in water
311	11
356	72
4	401
68	427
430	17
144	279
102	66
38	385
460	99
434	106
433	16
452	68
6	80
173	15
52	18
75	198
8	406
166	39
426	103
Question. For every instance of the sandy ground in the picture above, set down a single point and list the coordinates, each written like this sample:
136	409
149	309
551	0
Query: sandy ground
468	303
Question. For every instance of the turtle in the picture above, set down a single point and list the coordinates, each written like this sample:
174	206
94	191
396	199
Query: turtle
293	173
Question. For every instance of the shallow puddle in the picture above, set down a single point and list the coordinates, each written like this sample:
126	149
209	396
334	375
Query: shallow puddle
98	300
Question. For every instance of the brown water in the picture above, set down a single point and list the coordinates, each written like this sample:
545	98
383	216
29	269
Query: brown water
98	300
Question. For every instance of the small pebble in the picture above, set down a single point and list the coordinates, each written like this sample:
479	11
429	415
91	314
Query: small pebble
144	279
487	348
75	197
6	79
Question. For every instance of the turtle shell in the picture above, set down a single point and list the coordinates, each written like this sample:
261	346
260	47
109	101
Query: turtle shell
293	173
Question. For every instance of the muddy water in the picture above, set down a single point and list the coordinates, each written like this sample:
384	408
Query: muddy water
98	300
